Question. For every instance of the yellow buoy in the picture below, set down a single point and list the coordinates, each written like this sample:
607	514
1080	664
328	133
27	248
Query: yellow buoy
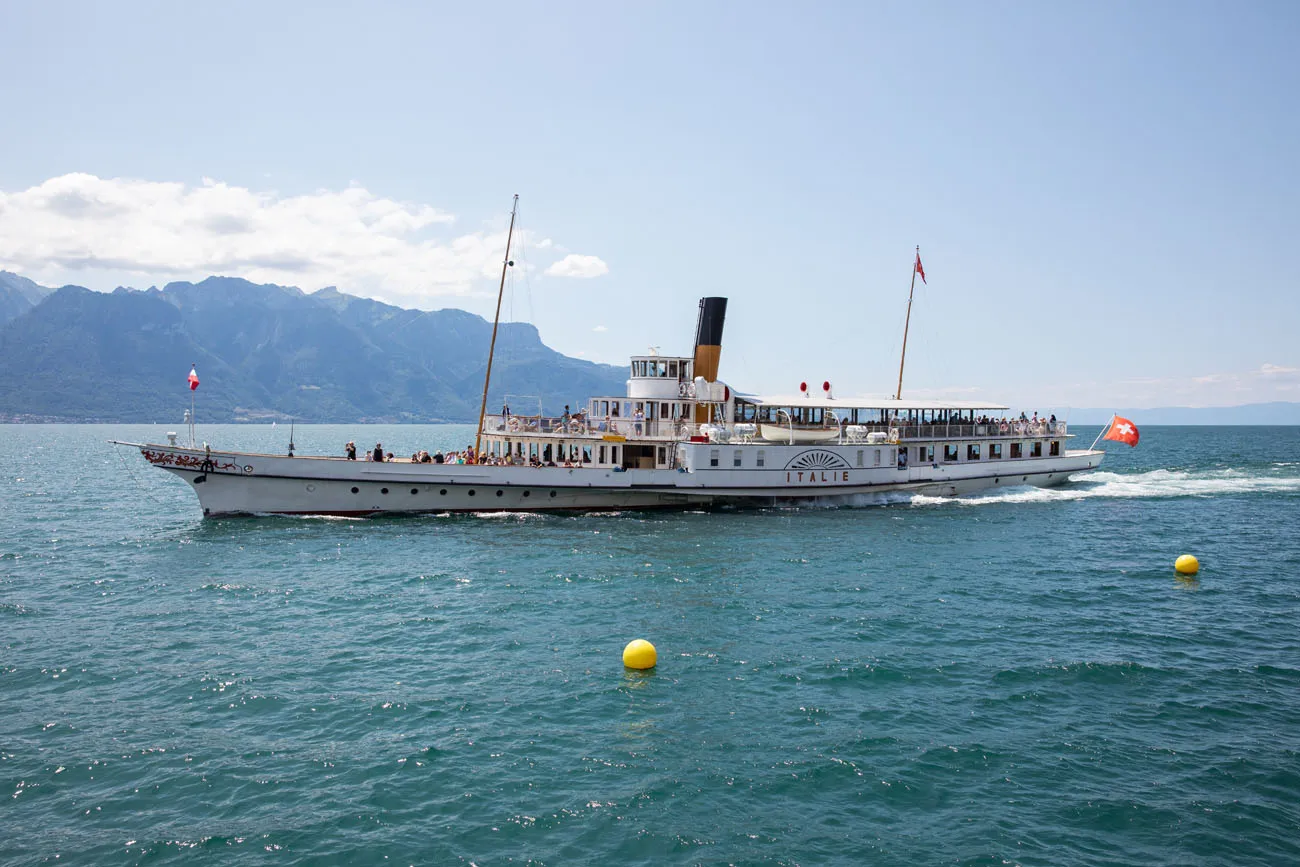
640	654
1187	565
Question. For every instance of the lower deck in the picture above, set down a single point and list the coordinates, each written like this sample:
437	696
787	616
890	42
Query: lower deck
237	483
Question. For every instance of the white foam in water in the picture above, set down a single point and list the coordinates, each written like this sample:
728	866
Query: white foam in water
1157	483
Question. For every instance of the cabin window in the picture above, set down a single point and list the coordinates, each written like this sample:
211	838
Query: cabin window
973	452
663	455
876	462
602	455
995	451
663	411
1036	449
762	457
713	457
736	458
925	454
586	454
1055	450
949	453
1017	450
613	455
672	370
860	457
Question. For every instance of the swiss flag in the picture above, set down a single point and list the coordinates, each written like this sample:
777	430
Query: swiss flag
1122	431
194	379
919	269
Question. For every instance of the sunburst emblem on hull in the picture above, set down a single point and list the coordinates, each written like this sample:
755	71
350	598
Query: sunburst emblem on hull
817	459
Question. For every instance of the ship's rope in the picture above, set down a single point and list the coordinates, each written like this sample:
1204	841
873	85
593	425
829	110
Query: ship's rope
131	474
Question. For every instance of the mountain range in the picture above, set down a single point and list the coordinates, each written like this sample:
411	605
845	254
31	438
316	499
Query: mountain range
267	352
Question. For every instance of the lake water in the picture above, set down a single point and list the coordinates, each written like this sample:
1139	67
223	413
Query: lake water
1012	678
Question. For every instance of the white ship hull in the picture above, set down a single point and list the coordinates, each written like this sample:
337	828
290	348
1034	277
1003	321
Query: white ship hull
234	483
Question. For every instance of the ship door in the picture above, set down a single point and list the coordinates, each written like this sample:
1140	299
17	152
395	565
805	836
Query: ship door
637	457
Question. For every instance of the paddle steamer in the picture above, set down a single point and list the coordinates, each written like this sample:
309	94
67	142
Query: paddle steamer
678	438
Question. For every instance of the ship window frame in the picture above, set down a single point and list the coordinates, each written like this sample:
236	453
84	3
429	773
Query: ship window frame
737	458
995	451
951	454
1054	449
1017	450
761	457
973	451
861	453
875	459
1036	449
714	456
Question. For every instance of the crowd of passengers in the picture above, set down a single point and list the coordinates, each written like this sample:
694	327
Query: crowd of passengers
1024	424
465	456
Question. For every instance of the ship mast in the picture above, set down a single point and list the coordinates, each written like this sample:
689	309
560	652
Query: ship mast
908	321
496	320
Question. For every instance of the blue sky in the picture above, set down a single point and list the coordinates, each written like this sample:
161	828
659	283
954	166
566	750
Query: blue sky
1104	194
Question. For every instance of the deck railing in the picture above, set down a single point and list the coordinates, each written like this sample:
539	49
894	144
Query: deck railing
659	429
668	430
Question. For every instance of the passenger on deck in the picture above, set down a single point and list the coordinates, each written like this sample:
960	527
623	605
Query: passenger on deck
378	454
438	458
350	450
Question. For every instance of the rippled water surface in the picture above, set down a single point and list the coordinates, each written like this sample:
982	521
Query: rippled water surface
1013	678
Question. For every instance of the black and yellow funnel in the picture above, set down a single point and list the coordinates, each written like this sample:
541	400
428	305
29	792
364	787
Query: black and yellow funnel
708	345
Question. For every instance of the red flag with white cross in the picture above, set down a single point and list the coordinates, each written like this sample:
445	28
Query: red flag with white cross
1123	431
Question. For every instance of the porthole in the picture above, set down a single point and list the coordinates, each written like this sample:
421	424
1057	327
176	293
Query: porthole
414	491
311	488
499	493
1024	479
383	490
528	493
443	492
552	493
356	490
471	492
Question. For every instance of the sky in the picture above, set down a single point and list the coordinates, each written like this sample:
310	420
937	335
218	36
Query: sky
1104	194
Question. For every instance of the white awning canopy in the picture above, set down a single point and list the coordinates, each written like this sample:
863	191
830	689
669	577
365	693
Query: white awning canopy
820	401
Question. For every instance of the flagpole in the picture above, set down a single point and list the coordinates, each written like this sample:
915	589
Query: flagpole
906	323
1103	431
192	390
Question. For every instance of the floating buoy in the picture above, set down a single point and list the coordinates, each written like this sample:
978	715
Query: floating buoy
640	654
1187	565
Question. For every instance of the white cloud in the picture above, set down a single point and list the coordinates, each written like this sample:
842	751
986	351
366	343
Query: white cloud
600	329
1276	370
576	265
93	230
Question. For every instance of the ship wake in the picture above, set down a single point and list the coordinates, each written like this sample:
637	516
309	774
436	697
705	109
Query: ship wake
1106	485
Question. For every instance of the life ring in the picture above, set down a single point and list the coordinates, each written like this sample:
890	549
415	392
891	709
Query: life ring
683	389
514	424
